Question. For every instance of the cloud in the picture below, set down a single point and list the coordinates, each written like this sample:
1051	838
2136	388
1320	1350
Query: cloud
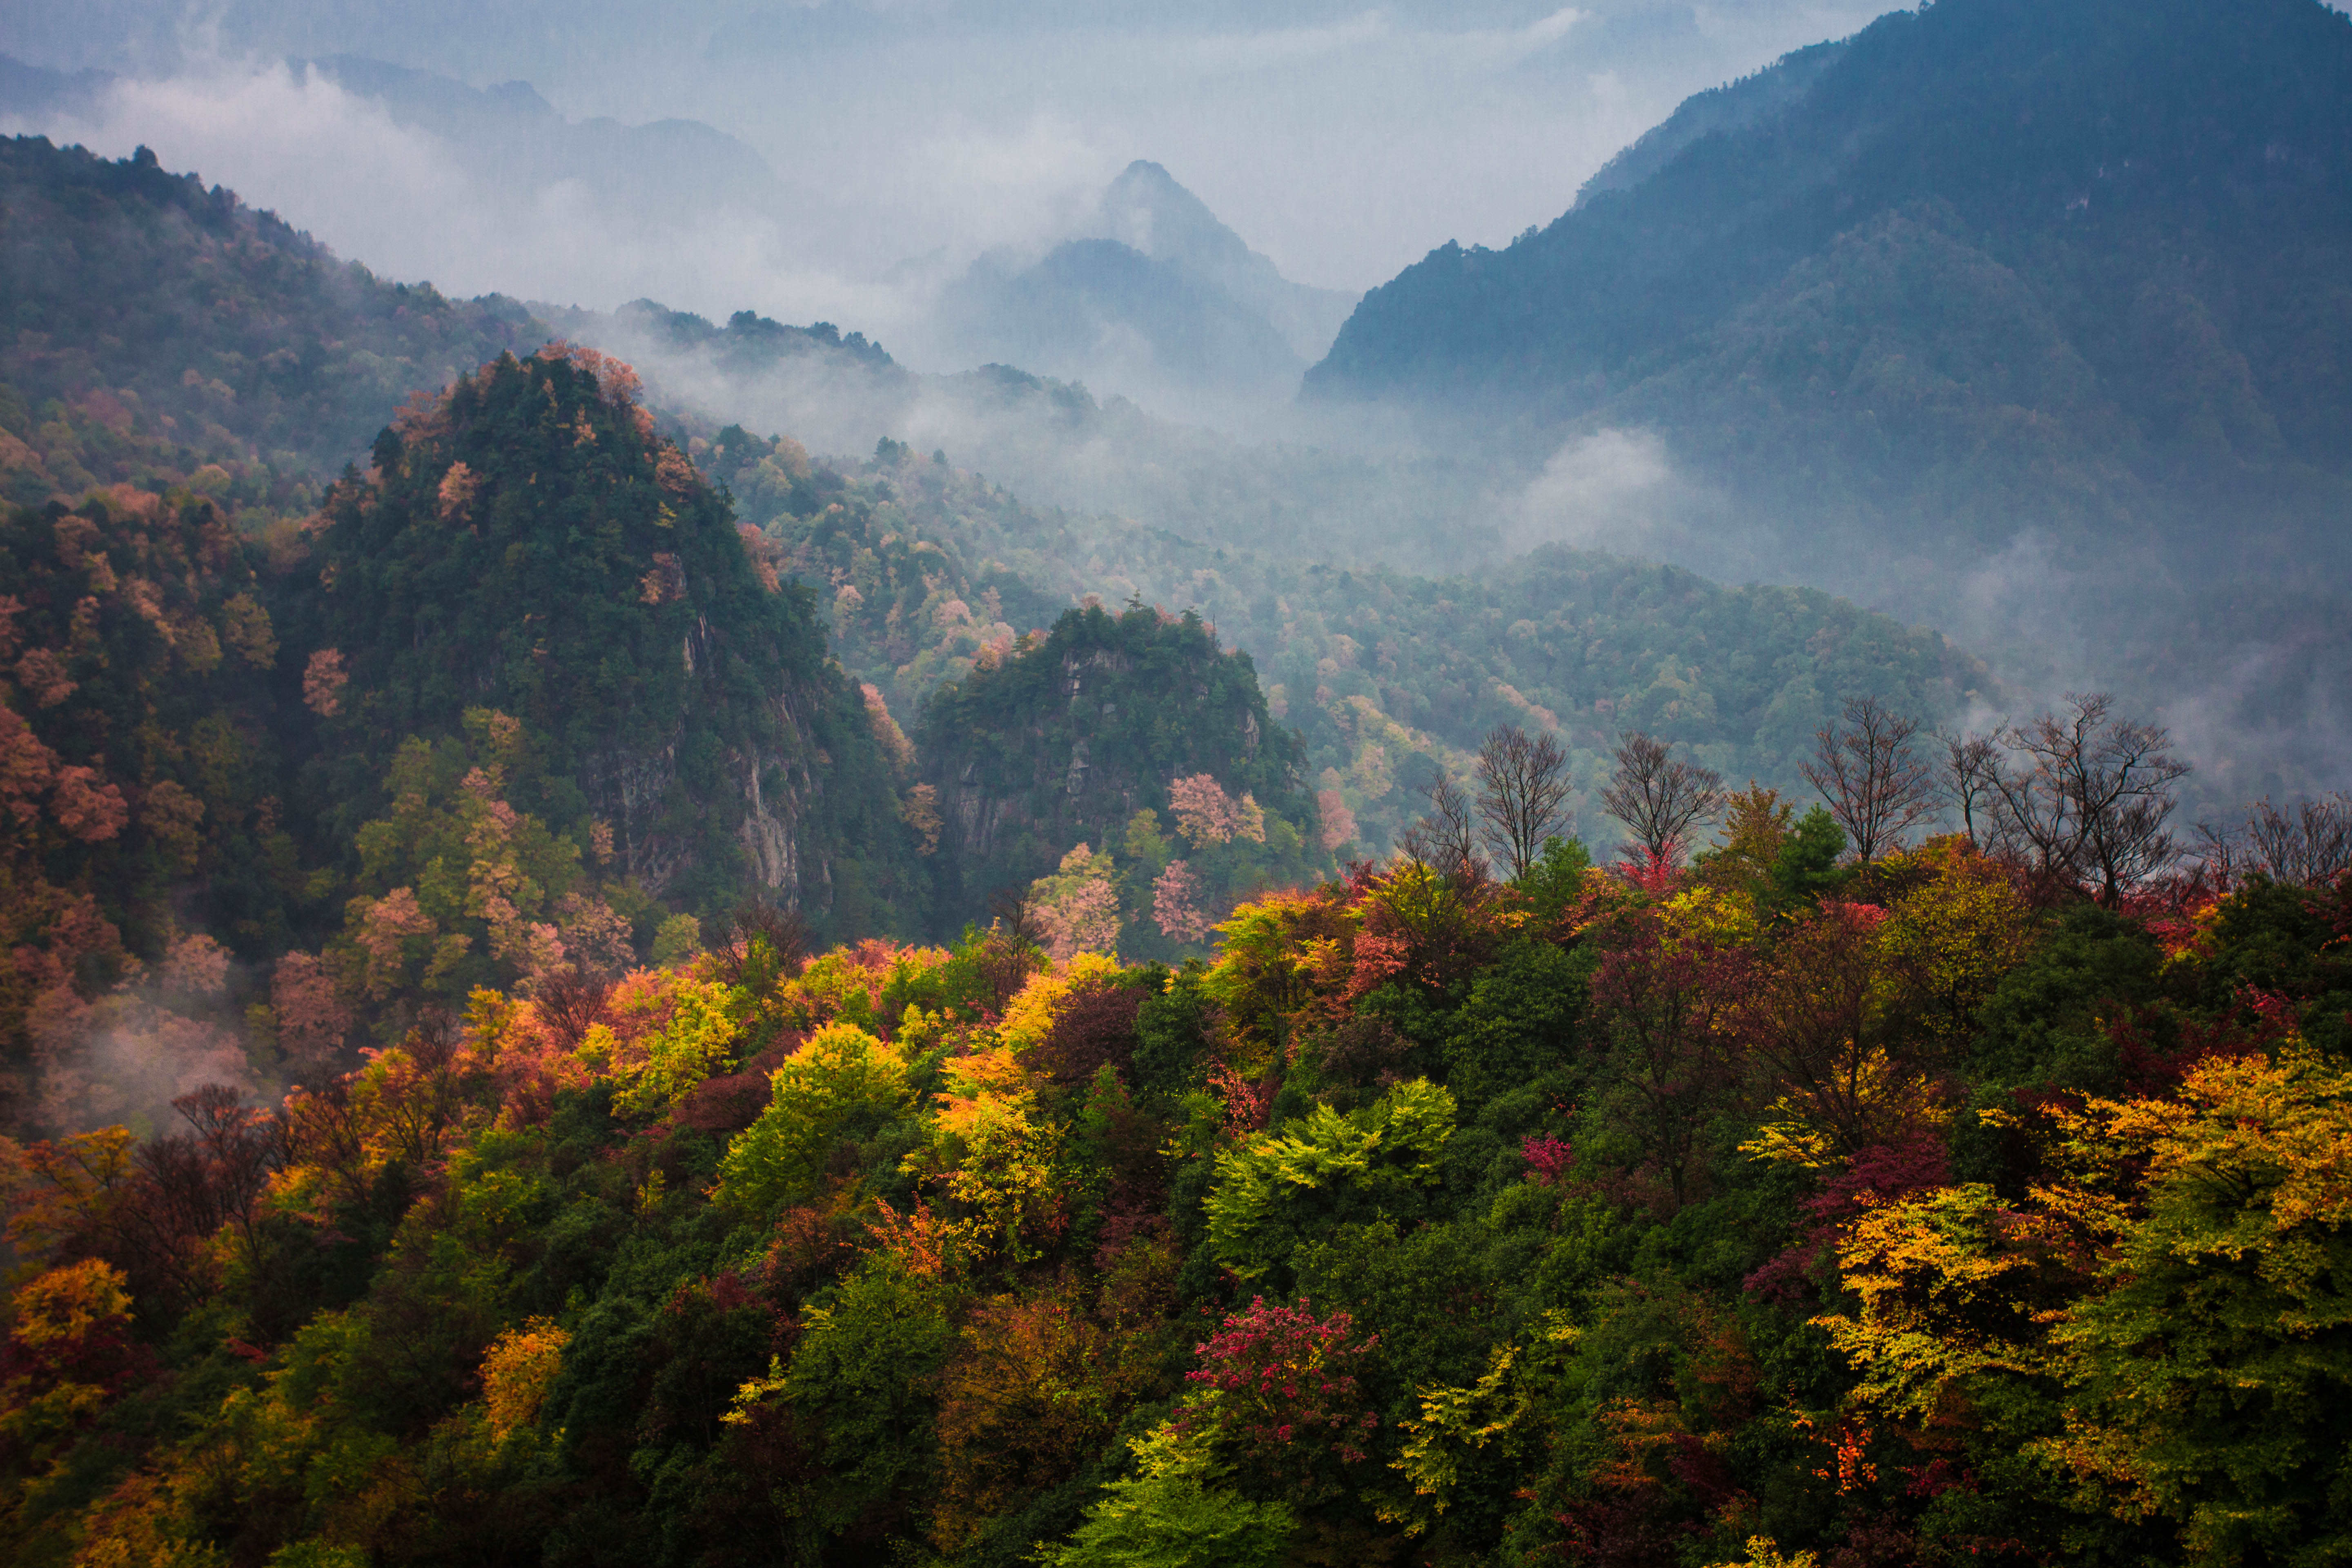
988	188
260	131
1611	489
1268	47
414	207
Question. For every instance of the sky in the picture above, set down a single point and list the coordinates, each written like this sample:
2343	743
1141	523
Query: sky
906	136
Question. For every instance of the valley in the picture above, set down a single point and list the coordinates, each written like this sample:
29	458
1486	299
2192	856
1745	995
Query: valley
1672	894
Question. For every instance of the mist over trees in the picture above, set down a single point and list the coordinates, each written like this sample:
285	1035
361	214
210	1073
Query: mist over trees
589	973
2035	322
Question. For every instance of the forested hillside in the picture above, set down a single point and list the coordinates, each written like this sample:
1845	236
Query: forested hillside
163	312
519	699
1101	742
1754	1211
2074	264
527	544
1390	680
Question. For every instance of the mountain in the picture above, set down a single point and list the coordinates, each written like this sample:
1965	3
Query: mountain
177	313
1153	298
515	143
1982	247
2027	319
1147	211
33	91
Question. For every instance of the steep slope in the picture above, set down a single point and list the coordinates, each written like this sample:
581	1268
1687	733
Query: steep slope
2086	256
1065	738
1751	100
181	315
527	543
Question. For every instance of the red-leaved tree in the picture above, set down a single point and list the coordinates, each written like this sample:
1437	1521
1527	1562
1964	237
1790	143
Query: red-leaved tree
1277	1389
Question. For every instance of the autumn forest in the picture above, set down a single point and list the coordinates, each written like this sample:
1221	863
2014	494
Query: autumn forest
583	983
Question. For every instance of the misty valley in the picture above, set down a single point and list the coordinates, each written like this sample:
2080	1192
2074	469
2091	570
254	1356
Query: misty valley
1678	892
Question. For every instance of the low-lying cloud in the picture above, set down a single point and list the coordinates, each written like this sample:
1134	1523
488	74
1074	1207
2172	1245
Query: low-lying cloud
413	205
1620	490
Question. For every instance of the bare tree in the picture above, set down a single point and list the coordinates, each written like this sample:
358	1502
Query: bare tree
1015	946
192	1183
2092	806
1014	915
1443	838
1972	765
2222	853
1658	798
2307	844
1522	785
570	1001
764	942
1874	784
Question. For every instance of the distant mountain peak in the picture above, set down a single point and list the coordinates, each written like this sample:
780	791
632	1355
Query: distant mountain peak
1151	296
1147	210
519	95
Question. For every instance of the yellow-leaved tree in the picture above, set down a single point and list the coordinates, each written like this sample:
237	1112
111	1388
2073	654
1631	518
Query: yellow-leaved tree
2180	1280
841	1081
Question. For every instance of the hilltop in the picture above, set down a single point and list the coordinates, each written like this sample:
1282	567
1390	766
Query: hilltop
1081	738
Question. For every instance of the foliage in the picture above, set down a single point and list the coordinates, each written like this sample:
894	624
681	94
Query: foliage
2208	1377
1172	1517
1397	1139
893	1248
1065	738
840	1078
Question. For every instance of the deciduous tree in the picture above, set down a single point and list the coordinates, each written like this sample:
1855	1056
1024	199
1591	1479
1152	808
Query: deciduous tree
1875	783
1659	797
1522	789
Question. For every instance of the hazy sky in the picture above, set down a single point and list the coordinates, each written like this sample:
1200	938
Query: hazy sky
1343	140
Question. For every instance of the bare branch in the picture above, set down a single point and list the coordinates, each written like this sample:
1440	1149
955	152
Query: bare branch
2092	807
1014	914
1874	784
1522	786
1657	798
1972	770
2307	845
1443	839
